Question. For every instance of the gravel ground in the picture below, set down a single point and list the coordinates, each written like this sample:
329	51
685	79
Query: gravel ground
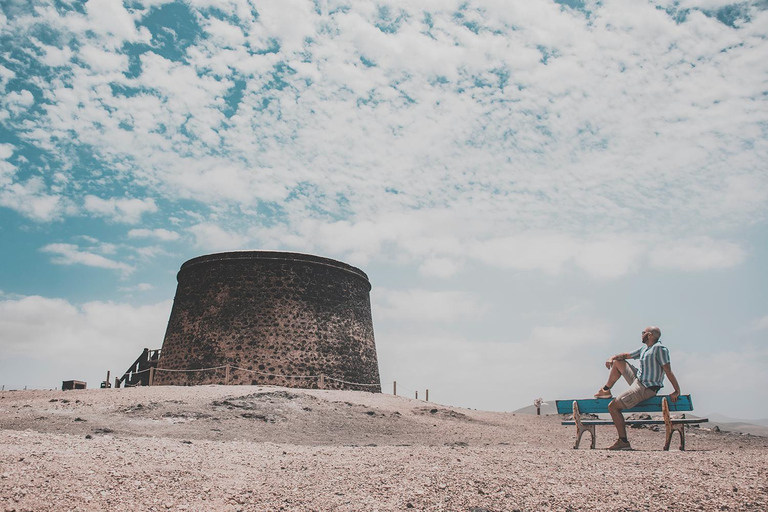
265	448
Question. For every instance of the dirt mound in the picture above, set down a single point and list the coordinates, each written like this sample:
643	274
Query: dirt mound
261	448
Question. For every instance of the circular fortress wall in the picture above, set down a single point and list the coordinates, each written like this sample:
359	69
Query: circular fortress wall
275	318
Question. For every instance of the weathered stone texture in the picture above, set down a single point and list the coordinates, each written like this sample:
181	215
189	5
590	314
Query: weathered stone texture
278	314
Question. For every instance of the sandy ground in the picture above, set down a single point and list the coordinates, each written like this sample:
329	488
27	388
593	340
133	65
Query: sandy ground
265	448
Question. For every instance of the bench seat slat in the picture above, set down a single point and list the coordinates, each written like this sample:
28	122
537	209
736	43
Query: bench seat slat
600	405
638	422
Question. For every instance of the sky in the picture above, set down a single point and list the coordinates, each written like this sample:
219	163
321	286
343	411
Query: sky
527	183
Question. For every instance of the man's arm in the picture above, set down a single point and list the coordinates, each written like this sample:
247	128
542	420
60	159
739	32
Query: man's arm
671	376
618	357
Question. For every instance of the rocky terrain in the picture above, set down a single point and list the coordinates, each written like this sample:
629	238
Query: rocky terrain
255	448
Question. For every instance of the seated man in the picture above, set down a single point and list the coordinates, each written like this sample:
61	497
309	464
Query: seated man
643	383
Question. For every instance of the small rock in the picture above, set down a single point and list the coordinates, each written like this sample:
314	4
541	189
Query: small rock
409	505
88	436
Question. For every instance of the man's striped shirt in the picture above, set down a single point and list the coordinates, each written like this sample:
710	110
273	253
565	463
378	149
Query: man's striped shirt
652	359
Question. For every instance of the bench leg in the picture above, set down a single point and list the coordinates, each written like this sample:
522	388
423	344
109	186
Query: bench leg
580	432
671	427
680	429
581	428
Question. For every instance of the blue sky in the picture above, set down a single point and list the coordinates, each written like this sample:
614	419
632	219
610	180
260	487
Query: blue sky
527	184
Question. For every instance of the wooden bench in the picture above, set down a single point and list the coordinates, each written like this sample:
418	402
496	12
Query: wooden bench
654	404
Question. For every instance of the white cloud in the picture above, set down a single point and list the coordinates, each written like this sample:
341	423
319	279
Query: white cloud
552	362
760	324
76	340
30	197
211	237
5	76
439	267
150	251
102	61
56	57
516	131
19	101
426	306
224	33
110	18
70	254
7	169
698	254
701	374
570	338
128	211
163	235
141	287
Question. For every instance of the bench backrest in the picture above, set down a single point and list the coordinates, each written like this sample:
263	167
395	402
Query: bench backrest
600	405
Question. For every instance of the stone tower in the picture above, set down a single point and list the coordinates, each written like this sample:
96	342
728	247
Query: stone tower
262	317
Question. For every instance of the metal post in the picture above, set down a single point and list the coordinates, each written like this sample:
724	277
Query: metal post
427	397
394	388
151	376
226	376
417	395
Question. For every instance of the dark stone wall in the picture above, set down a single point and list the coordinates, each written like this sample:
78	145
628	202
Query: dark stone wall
273	313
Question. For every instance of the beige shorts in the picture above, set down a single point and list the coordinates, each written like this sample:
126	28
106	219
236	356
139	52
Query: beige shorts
636	392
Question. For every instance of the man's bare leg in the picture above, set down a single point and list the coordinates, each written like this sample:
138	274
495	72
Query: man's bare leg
616	372
617	368
618	418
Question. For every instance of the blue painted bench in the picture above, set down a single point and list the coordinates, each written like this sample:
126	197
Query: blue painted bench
654	404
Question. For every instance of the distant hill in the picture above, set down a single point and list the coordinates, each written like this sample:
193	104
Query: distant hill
726	423
727	419
547	408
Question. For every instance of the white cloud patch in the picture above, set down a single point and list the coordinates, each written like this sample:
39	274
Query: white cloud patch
699	254
213	238
29	198
150	251
56	57
522	118
70	254
19	101
701	374
760	324
439	267
102	61
82	340
110	18
549	361
426	306
128	211
160	234
141	287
